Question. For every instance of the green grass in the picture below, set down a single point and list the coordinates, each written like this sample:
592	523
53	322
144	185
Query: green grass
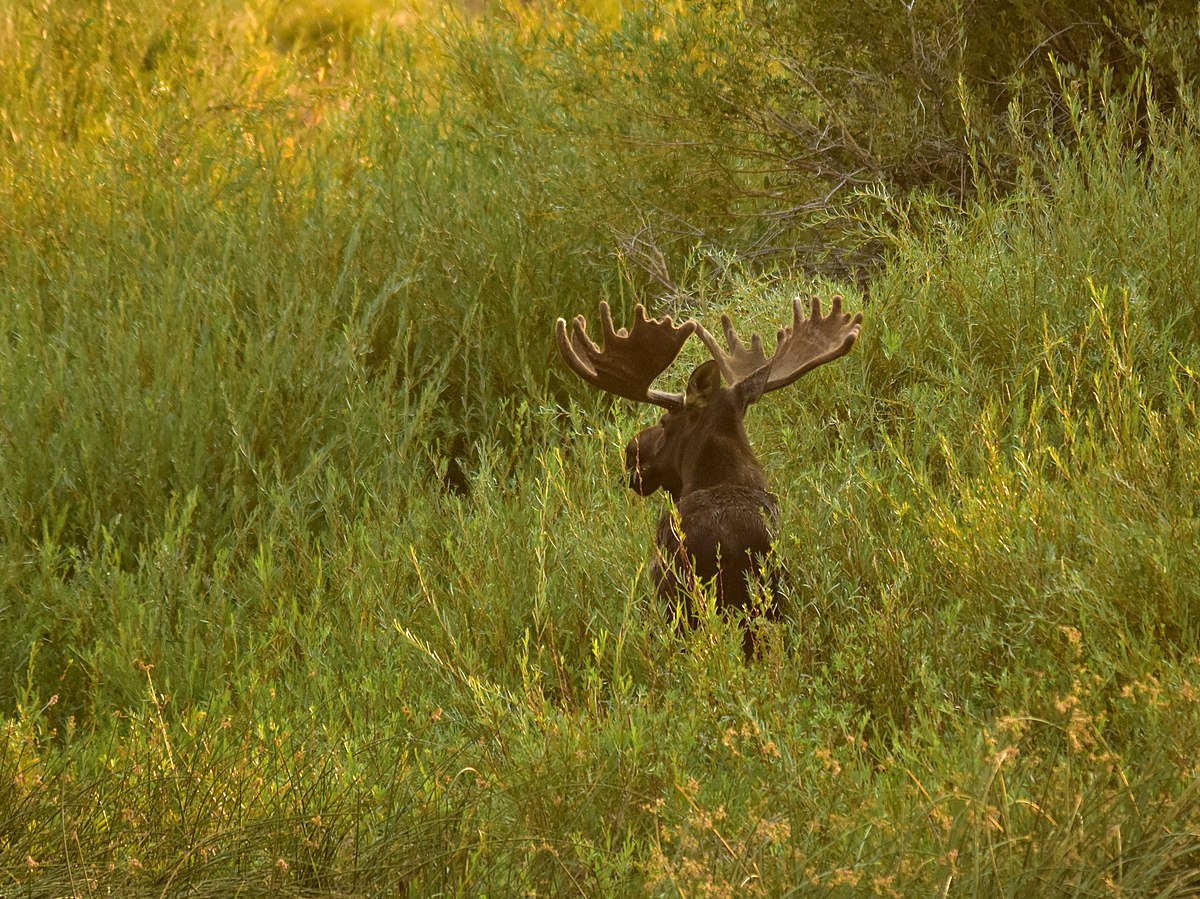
318	577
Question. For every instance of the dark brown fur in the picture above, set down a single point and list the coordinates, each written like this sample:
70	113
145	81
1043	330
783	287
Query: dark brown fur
720	530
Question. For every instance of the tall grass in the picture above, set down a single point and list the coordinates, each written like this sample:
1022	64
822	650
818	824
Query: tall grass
317	575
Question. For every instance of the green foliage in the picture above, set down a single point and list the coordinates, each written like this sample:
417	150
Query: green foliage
797	116
314	581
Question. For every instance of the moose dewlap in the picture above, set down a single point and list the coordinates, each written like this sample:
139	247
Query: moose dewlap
724	517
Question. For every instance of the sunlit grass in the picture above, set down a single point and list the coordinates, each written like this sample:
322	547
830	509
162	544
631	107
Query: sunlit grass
318	575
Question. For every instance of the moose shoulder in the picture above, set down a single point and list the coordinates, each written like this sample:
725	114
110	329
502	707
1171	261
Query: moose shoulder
725	516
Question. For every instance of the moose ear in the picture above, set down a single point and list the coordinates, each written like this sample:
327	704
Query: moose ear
704	382
753	386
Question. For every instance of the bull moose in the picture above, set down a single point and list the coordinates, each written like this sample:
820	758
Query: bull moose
723	524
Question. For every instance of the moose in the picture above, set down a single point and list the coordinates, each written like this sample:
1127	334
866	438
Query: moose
724	519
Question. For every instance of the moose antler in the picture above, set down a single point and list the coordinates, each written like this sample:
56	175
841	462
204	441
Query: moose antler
799	348
630	361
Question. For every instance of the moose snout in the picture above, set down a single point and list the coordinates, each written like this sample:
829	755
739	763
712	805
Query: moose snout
638	472
642	468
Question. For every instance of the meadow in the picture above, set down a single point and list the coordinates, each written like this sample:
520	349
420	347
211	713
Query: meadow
318	576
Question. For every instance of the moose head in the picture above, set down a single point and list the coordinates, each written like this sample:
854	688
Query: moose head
698	452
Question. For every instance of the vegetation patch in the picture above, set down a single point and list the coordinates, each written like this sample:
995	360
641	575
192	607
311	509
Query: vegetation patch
317	572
